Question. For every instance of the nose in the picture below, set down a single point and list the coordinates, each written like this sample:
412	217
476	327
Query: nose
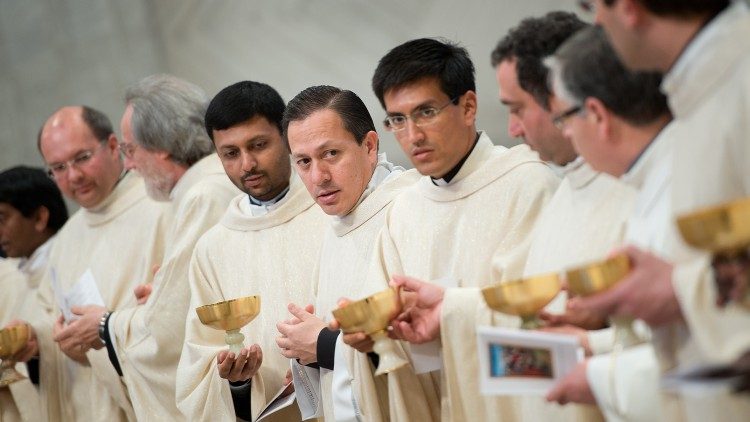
515	128
248	162
74	174
412	133
321	174
130	163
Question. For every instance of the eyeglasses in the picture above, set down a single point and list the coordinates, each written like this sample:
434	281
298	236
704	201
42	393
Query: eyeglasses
420	117
127	149
559	120
588	6
57	170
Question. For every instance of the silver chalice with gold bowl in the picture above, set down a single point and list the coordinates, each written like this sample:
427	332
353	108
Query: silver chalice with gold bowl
722	230
524	297
230	316
12	340
372	315
599	276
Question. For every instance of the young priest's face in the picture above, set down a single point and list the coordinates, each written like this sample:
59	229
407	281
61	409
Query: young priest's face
334	167
435	145
254	157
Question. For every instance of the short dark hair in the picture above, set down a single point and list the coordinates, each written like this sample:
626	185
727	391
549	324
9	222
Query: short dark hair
97	122
425	58
681	8
586	66
353	112
529	43
27	189
242	101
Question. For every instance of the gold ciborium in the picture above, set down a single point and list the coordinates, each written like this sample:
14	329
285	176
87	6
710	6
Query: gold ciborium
597	277
372	315
722	230
12	340
230	316
524	297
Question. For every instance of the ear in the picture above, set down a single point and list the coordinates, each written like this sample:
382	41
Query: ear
112	144
41	219
600	116
469	107
633	13
371	143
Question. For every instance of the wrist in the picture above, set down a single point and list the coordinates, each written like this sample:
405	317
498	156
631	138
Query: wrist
103	327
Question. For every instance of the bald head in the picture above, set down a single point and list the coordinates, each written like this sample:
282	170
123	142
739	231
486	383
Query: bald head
78	146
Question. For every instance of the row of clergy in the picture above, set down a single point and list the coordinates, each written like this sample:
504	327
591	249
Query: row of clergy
246	195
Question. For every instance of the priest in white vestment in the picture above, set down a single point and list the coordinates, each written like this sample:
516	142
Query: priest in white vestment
475	200
706	81
32	210
177	162
105	249
266	244
334	144
587	72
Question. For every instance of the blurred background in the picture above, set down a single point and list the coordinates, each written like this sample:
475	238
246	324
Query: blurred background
60	52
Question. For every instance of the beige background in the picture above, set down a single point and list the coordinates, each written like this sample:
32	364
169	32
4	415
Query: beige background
57	52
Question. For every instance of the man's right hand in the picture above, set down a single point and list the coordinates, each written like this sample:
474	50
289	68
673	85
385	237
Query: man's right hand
142	292
31	348
241	367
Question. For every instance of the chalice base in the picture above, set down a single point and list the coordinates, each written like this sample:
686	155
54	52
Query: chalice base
386	350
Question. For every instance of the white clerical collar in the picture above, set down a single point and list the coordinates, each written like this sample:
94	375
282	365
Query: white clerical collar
384	171
451	175
256	207
38	258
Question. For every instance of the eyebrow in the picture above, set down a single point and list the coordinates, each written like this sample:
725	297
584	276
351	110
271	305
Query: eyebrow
428	103
323	146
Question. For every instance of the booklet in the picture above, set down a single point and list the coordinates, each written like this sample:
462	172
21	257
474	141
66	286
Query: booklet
515	362
83	292
277	403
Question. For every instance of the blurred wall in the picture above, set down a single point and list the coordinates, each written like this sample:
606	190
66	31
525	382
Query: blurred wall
58	52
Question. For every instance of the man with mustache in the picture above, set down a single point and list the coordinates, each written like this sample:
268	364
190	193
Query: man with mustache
334	147
165	141
266	244
117	236
474	200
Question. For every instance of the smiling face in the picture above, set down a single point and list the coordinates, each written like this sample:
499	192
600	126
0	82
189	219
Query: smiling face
434	148
254	157
66	137
528	120
333	166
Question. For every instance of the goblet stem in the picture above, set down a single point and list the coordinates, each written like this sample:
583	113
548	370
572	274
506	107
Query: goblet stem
8	374
530	322
234	339
624	333
386	350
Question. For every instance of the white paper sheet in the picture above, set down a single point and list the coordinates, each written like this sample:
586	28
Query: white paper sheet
83	292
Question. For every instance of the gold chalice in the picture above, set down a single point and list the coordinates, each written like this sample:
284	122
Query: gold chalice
372	315
12	340
722	230
230	316
524	297
597	277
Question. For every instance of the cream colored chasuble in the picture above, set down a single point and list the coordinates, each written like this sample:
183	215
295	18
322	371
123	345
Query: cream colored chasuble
18	401
582	222
149	338
434	232
271	255
119	241
708	90
342	272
